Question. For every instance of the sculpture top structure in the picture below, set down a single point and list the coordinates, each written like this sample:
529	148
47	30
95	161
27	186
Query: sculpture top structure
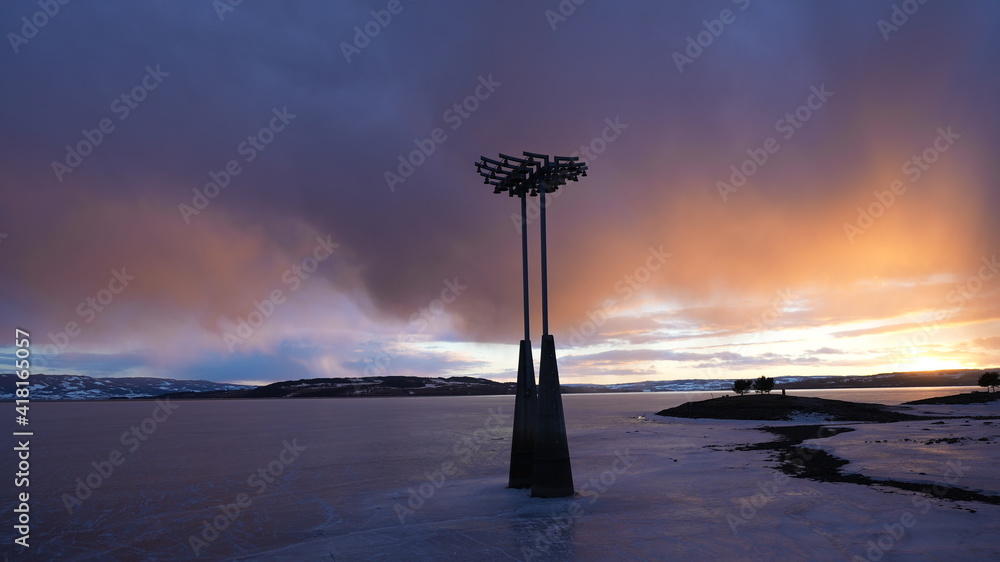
531	174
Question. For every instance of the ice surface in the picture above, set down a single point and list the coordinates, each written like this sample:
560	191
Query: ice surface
672	489
960	452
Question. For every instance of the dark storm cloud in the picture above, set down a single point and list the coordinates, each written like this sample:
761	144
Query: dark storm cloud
220	80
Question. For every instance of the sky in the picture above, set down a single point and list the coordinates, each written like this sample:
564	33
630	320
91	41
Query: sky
276	191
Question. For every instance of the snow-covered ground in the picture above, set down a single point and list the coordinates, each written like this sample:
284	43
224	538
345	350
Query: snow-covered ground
963	452
423	478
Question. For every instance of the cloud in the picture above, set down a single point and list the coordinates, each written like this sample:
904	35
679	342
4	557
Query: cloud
987	343
654	185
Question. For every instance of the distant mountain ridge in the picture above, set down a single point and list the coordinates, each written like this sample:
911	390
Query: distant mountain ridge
958	377
78	387
365	386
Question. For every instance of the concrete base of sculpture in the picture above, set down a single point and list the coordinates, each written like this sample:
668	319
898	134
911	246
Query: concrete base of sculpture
522	448
552	476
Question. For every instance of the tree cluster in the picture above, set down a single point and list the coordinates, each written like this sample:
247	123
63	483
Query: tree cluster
762	385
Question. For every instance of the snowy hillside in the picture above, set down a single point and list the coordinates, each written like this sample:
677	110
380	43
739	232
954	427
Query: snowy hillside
71	387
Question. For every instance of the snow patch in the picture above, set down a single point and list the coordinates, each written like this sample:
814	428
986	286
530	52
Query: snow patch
808	417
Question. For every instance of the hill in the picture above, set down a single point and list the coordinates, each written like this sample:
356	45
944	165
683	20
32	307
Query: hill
78	387
776	407
367	386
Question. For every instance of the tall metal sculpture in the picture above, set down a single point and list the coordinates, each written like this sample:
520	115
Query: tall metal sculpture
539	448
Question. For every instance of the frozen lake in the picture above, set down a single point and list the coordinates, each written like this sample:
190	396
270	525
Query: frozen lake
424	477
